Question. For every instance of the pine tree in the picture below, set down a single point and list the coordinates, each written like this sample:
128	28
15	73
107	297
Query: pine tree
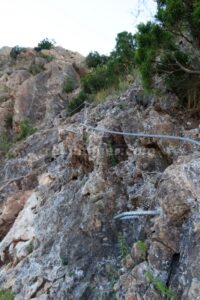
170	47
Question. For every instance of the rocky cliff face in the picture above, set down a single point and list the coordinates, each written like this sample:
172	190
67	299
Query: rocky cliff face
62	186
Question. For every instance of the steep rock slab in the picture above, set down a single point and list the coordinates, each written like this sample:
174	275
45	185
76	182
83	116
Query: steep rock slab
67	241
178	229
41	98
173	255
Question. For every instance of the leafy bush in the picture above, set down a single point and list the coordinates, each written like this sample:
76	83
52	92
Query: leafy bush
94	59
15	51
100	78
77	103
160	286
45	44
110	70
68	85
36	69
6	294
26	129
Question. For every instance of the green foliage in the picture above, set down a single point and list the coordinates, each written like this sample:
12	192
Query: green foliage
107	74
64	260
100	78
142	247
49	58
184	84
169	48
30	247
112	274
45	44
77	103
196	13
160	286
68	85
36	69
112	156
5	143
171	12
109	71
123	55
181	17
26	129
123	246
123	106
10	155
15	51
6	294
149	38
94	59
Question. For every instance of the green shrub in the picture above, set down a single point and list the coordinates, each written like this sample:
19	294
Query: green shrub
5	143
123	246
49	58
64	260
45	44
100	78
6	294
160	286
36	69
142	246
77	103
30	247
109	71
10	155
112	156
112	274
15	51
26	129
68	85
94	59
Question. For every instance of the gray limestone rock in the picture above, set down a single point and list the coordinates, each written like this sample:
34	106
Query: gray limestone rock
62	186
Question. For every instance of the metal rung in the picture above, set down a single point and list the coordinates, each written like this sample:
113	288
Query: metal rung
136	214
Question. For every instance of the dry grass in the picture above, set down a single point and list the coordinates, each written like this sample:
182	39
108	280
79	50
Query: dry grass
111	92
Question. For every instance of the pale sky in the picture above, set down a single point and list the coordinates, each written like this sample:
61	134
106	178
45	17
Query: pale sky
77	25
